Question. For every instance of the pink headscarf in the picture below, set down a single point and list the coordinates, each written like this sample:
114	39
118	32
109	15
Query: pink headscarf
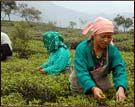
100	25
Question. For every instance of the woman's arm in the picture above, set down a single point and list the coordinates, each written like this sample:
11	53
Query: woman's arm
118	67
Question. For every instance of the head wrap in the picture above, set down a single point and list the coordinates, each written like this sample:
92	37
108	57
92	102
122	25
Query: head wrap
53	40
100	25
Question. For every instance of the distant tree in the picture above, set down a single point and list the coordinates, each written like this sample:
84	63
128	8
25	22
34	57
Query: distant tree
7	6
127	23
21	39
116	29
72	24
119	20
29	14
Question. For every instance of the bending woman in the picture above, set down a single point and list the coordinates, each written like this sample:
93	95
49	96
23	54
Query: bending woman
59	59
95	59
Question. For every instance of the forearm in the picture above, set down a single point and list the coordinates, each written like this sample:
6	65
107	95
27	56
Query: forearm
44	65
85	81
120	77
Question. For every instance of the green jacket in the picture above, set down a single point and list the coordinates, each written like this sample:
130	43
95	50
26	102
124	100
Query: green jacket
84	62
59	57
57	62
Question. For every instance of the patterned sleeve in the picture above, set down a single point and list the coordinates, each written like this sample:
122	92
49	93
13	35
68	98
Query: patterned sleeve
46	64
59	64
85	80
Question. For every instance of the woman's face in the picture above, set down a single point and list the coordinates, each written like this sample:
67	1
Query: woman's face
102	40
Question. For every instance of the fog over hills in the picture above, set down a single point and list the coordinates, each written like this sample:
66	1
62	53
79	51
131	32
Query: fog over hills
62	16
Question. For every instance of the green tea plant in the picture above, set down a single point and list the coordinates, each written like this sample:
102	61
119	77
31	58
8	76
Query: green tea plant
15	99
21	38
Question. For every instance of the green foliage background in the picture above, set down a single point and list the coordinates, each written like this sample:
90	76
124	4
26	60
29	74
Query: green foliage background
22	84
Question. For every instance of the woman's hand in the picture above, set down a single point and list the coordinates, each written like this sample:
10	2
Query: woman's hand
40	69
120	95
97	92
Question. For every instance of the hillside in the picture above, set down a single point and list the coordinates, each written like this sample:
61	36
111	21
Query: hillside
62	16
72	36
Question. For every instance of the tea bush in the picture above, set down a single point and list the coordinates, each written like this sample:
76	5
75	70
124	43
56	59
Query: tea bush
31	84
15	99
21	76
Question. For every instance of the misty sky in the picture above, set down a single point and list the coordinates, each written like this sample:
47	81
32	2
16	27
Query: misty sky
98	6
91	7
